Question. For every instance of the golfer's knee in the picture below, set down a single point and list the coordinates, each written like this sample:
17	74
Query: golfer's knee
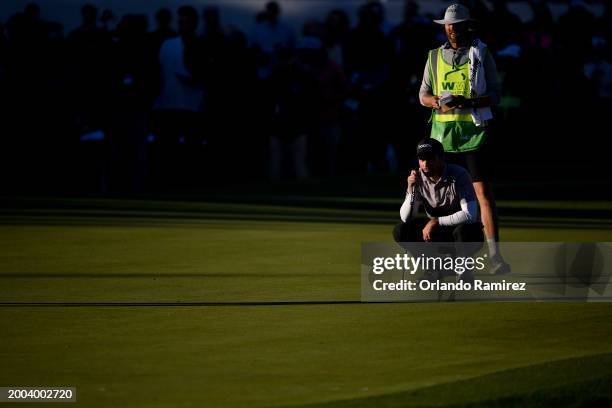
460	233
468	233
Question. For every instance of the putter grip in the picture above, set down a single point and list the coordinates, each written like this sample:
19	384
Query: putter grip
413	190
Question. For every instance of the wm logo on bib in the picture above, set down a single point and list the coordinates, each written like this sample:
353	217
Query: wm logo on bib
455	80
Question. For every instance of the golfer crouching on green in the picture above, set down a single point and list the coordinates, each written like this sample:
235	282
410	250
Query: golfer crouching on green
447	193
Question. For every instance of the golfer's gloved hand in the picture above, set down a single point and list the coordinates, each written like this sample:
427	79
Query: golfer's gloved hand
412	179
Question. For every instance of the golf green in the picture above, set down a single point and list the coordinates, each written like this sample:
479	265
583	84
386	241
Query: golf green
234	305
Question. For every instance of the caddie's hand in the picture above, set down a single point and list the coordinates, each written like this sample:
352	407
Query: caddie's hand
412	179
429	228
435	102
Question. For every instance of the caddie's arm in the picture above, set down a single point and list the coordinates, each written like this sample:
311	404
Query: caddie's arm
426	96
429	100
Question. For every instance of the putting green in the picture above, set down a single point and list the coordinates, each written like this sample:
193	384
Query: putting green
246	306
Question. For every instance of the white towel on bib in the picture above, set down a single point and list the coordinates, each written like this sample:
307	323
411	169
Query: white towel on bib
478	82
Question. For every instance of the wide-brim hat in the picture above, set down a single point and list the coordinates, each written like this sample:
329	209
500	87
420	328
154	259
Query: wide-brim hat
455	13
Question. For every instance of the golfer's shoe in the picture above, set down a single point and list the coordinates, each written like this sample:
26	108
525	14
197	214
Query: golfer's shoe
431	276
467	277
499	267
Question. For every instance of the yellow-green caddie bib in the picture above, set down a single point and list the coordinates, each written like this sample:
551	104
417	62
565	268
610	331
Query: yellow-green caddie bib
454	129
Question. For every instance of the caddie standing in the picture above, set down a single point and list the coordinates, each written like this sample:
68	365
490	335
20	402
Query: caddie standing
460	84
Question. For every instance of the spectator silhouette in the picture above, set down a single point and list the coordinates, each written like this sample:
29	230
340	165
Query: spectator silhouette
31	63
575	30
539	31
410	41
134	85
271	34
368	69
483	24
295	91
335	35
331	90
272	43
510	34
89	58
164	30
179	105
539	49
376	7
270	37
244	151
106	20
212	48
598	71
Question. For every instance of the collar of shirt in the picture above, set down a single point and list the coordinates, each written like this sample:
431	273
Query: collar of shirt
447	46
455	55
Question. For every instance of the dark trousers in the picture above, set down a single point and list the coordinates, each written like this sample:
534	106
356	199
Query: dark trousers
470	236
412	231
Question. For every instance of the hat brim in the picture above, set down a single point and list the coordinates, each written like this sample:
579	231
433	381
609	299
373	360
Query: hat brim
453	21
429	153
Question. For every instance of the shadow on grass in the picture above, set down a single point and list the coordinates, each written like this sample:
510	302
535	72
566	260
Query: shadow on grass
575	382
192	221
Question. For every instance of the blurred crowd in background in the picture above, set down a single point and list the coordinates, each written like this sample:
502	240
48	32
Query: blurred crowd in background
125	105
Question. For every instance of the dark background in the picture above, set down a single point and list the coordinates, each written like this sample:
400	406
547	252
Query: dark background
350	97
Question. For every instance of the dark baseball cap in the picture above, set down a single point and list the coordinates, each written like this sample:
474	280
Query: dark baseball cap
429	147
